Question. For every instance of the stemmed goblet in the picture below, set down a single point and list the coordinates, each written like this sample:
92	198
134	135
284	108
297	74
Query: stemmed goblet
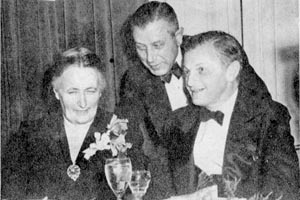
139	183
118	173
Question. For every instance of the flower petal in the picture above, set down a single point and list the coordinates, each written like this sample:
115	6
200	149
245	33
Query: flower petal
97	135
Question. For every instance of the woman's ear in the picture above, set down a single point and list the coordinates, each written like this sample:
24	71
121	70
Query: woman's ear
233	71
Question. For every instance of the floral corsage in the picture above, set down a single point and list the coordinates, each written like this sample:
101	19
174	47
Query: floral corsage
113	139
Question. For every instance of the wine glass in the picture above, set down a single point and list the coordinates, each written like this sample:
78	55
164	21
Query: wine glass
118	173
139	183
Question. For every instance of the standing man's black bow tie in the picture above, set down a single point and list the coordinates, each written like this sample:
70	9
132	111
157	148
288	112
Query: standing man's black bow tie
217	115
176	70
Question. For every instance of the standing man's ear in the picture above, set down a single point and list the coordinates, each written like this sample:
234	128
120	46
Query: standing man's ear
179	35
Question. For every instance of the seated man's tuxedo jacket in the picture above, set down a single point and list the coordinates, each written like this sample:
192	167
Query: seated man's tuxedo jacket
259	148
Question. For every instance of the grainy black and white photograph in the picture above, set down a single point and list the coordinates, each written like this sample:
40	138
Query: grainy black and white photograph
150	100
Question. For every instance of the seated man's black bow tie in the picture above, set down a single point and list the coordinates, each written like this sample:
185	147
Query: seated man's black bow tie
217	115
176	70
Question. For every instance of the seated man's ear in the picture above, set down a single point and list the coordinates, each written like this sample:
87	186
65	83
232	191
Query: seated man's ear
233	71
179	35
56	94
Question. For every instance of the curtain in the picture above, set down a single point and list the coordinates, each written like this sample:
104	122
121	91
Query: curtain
34	31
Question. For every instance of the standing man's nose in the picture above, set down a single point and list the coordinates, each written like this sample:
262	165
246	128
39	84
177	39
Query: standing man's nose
151	56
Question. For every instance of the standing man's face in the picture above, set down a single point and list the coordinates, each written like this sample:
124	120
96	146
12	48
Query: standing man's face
157	45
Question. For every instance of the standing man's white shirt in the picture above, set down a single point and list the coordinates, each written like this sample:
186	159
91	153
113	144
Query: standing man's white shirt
175	91
210	141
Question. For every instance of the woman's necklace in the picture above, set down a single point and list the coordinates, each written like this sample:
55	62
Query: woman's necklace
75	140
73	171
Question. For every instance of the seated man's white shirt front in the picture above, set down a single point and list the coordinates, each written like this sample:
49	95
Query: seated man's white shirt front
176	93
75	135
210	141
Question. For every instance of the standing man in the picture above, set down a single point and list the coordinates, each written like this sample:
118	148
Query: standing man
152	88
234	133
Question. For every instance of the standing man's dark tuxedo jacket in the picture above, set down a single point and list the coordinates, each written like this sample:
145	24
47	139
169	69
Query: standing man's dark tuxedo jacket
145	102
36	161
259	148
146	98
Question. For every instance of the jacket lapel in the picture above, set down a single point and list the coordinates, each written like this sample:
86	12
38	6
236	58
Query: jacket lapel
58	135
242	144
181	156
156	97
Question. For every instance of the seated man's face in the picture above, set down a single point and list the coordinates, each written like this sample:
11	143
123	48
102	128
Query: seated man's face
157	45
79	93
206	77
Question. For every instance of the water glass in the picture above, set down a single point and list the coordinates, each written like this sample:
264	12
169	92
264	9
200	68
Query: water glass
118	174
139	183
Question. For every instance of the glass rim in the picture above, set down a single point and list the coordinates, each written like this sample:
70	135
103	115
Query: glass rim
141	171
114	159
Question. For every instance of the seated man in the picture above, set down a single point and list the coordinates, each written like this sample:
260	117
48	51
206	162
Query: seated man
234	136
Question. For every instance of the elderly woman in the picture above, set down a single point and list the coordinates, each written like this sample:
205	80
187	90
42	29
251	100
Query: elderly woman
47	156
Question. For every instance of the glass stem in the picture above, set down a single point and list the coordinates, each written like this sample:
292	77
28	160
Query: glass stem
119	197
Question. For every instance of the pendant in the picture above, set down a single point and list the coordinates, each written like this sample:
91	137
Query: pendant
73	172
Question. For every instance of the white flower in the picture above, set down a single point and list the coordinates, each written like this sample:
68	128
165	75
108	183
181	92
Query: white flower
117	126
113	139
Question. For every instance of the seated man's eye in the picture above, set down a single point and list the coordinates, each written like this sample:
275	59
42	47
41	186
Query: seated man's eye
158	46
200	69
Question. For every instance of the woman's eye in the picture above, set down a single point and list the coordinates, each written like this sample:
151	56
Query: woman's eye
91	91
72	92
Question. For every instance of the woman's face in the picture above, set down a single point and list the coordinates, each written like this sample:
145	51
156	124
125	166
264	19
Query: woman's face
79	93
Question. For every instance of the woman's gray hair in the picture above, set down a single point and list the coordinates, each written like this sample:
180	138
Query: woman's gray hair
82	57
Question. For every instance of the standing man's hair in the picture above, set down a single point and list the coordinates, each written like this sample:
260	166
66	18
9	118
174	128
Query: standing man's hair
152	11
145	14
226	46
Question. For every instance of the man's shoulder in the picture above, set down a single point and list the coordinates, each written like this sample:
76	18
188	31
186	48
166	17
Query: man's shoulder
278	111
137	73
256	103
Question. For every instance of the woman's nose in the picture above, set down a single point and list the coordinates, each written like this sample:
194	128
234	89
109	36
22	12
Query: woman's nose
82	101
